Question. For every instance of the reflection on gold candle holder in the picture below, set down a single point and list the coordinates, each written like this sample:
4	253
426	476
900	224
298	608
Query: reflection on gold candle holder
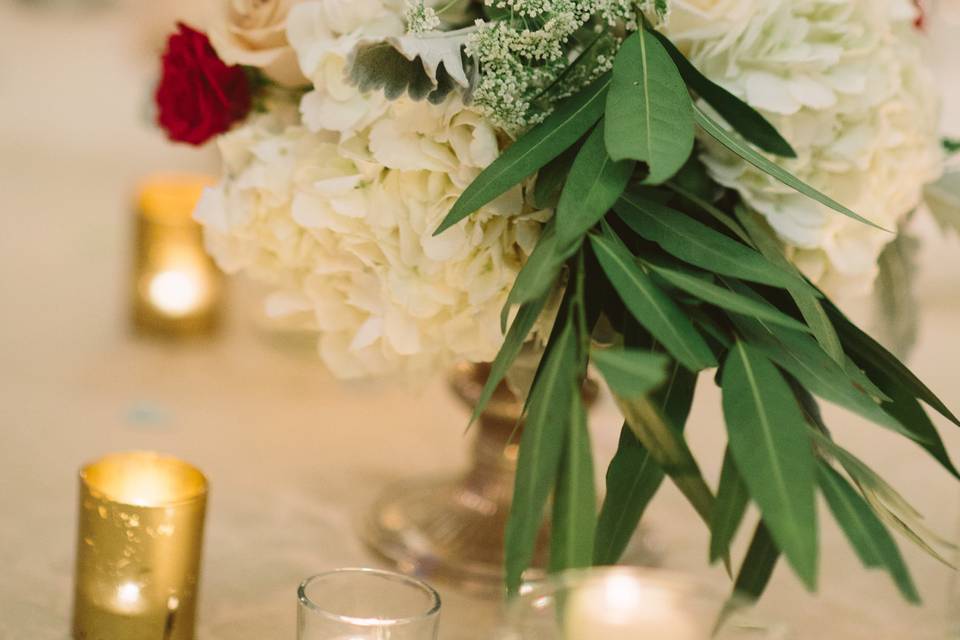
138	548
176	287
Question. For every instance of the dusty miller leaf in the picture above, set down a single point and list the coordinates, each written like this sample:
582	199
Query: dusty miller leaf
428	65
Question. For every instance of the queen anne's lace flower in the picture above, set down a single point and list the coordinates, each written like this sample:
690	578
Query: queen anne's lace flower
345	231
844	81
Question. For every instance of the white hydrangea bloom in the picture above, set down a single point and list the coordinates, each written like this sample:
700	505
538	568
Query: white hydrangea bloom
345	230
323	33
844	81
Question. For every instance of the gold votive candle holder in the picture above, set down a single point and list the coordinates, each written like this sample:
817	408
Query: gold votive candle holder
139	544
177	288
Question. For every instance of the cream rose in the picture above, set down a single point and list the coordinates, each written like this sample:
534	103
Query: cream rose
254	33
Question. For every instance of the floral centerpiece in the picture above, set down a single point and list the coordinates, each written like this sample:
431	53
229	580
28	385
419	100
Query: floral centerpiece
659	187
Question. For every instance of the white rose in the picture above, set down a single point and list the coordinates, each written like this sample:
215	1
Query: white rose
254	33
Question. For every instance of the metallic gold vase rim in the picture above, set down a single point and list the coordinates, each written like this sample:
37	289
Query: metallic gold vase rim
198	483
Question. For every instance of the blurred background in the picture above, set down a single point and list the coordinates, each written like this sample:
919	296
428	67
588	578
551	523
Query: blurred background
293	456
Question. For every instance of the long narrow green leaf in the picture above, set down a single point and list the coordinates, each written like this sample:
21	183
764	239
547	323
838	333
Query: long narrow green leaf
651	306
724	298
908	412
887	503
683	237
758	566
669	450
594	184
630	372
571	119
538	274
732	500
868	353
512	345
541	447
649	111
866	533
769	441
633	476
803	358
551	177
575	498
742	117
739	147
806	300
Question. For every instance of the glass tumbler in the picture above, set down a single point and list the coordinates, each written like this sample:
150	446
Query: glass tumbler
366	604
623	603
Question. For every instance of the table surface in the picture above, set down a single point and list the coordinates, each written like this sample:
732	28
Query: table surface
294	457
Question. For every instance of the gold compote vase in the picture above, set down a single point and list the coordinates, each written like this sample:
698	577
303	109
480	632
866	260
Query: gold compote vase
452	529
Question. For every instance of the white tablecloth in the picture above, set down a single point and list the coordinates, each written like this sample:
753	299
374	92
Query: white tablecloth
293	456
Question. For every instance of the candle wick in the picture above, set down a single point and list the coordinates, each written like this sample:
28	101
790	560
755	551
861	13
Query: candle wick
168	625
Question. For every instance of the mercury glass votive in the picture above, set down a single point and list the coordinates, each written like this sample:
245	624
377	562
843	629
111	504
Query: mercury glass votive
366	604
139	543
177	289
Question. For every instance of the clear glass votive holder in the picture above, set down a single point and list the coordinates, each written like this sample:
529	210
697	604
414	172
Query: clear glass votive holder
139	543
628	603
366	604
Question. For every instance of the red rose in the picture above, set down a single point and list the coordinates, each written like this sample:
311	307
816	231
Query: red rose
199	95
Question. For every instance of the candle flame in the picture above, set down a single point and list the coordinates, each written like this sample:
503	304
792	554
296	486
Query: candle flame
176	292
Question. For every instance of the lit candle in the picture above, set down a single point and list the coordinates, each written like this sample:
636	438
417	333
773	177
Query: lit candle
618	606
138	548
177	287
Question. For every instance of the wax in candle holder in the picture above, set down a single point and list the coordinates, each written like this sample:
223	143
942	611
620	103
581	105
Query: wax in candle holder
177	288
629	603
138	548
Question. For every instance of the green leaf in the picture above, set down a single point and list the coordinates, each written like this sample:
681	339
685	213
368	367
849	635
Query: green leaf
805	299
633	477
630	372
742	117
649	112
538	274
724	298
669	450
757	567
704	205
866	533
594	184
575	498
651	306
736	145
572	118
909	413
732	500
512	344
683	237
869	354
803	358
769	441
541	447
551	177
887	503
